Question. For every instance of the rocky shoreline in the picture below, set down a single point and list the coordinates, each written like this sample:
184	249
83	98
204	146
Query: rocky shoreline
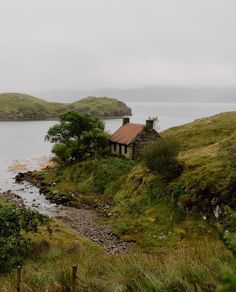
86	222
83	220
53	197
30	177
10	196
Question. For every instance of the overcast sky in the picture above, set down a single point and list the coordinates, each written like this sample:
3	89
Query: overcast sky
91	44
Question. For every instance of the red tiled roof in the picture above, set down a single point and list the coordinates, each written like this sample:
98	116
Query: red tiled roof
127	133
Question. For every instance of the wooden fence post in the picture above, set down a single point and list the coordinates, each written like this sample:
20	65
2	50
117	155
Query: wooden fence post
74	277
18	278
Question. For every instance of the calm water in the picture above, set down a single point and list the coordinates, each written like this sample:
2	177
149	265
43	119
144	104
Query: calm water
172	114
22	144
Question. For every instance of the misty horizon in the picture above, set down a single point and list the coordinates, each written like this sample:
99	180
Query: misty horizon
86	45
145	94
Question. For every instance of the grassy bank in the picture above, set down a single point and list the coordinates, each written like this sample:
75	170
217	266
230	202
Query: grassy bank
16	107
195	266
174	223
143	206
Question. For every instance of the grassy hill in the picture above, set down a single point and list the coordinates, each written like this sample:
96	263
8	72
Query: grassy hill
17	107
194	266
172	223
208	179
105	107
135	193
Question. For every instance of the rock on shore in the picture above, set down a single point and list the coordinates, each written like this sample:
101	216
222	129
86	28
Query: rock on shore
9	195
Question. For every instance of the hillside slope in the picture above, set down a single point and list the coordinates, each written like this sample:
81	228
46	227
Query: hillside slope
16	107
193	266
172	224
208	178
141	205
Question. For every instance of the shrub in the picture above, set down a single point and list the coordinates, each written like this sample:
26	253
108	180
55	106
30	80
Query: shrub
13	246
161	156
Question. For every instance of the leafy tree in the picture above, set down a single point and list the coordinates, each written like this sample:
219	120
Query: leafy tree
13	221
161	156
77	136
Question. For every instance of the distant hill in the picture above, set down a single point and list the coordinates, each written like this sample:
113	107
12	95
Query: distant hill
20	107
152	94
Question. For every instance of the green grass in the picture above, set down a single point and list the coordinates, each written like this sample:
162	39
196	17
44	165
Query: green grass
175	248
204	132
207	180
193	266
133	196
16	106
146	208
106	106
5	202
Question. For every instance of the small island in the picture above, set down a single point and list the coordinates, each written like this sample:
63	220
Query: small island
23	107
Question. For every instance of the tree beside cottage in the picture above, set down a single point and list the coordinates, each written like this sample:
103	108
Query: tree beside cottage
131	138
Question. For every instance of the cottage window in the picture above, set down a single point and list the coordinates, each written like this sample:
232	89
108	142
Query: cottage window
126	149
115	147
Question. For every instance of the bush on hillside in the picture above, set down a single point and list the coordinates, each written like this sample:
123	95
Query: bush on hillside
161	156
77	136
13	246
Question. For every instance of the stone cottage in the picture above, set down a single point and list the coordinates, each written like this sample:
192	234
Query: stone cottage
130	138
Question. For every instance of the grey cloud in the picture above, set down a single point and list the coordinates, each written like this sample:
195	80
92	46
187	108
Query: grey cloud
63	44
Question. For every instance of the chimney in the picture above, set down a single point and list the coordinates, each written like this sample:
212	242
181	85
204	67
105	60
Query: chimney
125	120
150	124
